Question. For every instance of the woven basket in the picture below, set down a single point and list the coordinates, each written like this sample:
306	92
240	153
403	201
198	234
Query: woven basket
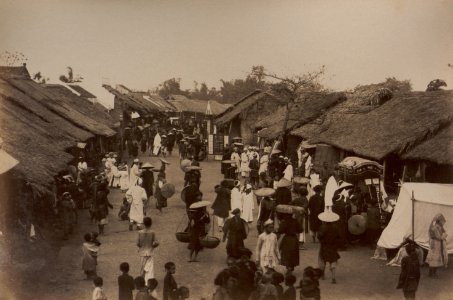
183	237
210	242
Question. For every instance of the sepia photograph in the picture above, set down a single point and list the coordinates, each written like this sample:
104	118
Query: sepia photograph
226	149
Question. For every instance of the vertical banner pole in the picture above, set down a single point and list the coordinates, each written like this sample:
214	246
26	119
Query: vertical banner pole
413	216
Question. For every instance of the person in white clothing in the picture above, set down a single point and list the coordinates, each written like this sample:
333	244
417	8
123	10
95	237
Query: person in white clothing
157	144
81	167
288	173
236	197
123	170
115	182
135	173
237	161
245	169
248	203
136	196
267	254
264	162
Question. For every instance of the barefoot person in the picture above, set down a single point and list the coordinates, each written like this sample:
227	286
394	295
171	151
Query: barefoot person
146	243
235	230
136	196
198	218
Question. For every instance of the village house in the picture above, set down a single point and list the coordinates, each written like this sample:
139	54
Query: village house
239	120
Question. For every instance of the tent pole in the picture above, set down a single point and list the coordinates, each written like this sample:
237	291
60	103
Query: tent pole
413	216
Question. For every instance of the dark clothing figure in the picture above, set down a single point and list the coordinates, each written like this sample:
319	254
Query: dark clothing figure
343	209
235	230
329	238
143	145
289	294
148	181
315	207
126	286
289	246
170	288
254	166
225	168
373	226
283	196
192	194
170	142
222	202
410	275
266	212
309	289
197	228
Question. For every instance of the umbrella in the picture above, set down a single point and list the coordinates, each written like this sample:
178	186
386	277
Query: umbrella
147	165
284	183
357	224
328	216
264	192
167	190
184	164
199	204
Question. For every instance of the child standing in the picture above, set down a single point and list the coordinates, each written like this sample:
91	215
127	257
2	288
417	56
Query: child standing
146	243
290	293
125	283
98	292
152	288
170	285
90	252
123	214
267	254
142	290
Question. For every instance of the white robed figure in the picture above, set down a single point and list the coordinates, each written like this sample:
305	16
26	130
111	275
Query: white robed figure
248	204
136	196
157	144
134	173
288	173
245	169
236	197
116	176
108	169
267	247
124	178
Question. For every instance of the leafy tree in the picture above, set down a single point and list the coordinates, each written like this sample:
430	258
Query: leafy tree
12	58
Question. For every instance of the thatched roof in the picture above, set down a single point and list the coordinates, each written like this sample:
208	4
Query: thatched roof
305	109
58	105
81	91
243	104
357	102
198	106
84	106
438	149
394	127
134	100
159	103
36	136
25	102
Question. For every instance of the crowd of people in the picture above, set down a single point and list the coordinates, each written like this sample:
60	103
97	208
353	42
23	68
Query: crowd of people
288	209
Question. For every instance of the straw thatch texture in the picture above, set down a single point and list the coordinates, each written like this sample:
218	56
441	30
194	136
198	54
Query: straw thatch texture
438	149
83	106
359	101
82	92
159	103
25	102
37	144
395	127
305	109
198	106
241	107
136	103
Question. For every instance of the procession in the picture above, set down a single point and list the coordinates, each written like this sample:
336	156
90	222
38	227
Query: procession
281	152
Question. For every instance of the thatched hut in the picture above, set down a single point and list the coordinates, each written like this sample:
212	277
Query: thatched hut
239	120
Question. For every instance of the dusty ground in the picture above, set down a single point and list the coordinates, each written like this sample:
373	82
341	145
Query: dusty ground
358	276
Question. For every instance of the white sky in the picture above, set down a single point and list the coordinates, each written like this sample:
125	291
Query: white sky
142	43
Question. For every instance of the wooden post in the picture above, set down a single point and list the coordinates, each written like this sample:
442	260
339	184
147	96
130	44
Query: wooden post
413	216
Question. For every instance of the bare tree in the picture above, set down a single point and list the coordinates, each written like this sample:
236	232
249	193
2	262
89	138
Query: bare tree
291	87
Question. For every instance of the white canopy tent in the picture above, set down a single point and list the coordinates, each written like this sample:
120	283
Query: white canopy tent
429	200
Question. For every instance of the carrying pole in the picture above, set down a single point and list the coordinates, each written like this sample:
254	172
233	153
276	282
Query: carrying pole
413	216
